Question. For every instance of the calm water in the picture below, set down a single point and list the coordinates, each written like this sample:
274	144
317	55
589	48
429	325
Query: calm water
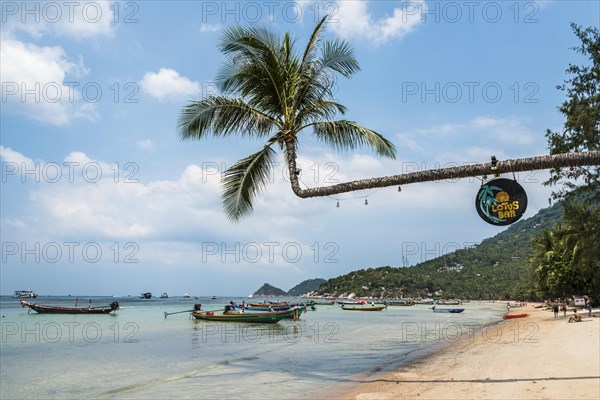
140	354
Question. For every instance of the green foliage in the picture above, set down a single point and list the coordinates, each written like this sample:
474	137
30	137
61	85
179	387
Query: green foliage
268	290
581	131
271	92
309	285
496	268
567	256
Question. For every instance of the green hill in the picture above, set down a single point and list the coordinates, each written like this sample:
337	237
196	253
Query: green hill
268	290
496	268
309	285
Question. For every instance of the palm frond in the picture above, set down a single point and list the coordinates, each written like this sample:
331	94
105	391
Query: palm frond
339	56
320	110
223	116
348	135
257	67
244	180
318	74
242	41
313	41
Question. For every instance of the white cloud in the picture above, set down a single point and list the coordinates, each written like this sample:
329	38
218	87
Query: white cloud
16	223
167	84
90	200
205	27
170	221
37	81
474	140
78	158
14	157
78	20
33	83
508	130
353	20
484	122
146	144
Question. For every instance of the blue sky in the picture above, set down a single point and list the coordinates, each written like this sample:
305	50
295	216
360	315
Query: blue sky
99	195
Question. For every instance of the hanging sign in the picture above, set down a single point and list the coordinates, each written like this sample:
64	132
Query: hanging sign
501	201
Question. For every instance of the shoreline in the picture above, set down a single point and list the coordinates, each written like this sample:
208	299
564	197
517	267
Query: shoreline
538	357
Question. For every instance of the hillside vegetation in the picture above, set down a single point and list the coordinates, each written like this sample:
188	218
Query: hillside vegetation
496	268
306	286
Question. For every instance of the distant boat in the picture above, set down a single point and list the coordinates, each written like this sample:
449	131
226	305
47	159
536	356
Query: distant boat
146	295
424	301
25	294
362	307
511	316
347	302
449	303
214	298
114	306
164	295
271	304
400	303
321	303
448	310
186	296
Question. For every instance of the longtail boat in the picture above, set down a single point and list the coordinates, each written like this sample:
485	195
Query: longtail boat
264	308
424	301
362	307
114	306
402	303
258	317
271	303
448	310
25	294
345	302
290	312
511	316
322	303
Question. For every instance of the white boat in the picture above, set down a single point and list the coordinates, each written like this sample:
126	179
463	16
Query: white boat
164	295
186	296
25	294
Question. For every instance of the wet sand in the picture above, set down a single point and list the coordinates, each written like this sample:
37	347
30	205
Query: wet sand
538	357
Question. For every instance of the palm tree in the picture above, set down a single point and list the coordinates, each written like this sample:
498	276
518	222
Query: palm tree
270	92
281	95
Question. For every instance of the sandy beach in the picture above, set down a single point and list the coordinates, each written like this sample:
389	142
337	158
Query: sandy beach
538	357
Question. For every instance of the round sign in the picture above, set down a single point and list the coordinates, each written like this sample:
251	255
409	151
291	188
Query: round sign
501	201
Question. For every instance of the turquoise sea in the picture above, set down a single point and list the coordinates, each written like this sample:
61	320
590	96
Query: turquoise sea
138	354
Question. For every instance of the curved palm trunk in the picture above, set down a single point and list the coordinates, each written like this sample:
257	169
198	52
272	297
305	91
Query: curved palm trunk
290	155
518	165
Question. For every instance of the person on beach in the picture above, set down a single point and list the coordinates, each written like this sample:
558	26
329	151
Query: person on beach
588	304
555	309
507	306
576	317
563	307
